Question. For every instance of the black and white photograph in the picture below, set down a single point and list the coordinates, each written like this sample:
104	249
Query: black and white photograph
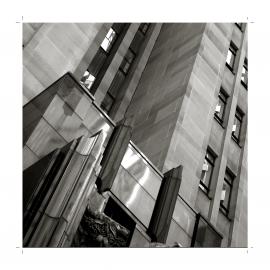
135	134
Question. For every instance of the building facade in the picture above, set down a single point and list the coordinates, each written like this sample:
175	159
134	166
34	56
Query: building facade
135	134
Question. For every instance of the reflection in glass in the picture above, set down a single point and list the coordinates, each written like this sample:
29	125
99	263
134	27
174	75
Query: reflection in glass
108	40
139	185
87	79
129	159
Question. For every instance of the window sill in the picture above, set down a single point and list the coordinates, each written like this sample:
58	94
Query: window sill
236	141
204	192
230	68
219	121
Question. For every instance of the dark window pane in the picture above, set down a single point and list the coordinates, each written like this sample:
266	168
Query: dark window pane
220	108
137	42
97	62
144	27
244	77
207	171
118	27
210	157
116	84
127	61
231	56
226	191
107	103
236	130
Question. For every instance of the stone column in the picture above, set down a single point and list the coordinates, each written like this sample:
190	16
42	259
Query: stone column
64	211
164	207
113	155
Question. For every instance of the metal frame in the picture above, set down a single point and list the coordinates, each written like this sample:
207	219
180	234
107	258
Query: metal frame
245	66
223	99
233	49
225	210
202	185
239	115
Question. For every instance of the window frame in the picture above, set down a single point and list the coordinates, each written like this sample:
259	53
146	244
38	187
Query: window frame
245	66
226	210
239	26
85	77
127	61
203	186
233	49
113	100
141	28
223	97
111	43
239	115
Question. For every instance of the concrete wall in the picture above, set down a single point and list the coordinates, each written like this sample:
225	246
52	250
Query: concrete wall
52	49
57	116
174	106
159	95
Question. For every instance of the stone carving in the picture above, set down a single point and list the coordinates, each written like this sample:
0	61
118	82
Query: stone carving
98	230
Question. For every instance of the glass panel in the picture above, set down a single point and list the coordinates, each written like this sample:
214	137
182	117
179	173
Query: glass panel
177	234
130	56
236	128
116	84
144	27
226	191
105	44
229	58
88	79
141	171
125	66
244	77
97	63
206	236
108	40
133	196
220	109
111	34
206	175
118	27
184	217
127	61
137	185
137	42
210	157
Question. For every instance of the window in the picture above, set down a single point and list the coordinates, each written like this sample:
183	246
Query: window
236	130
127	61
107	102
207	171
244	77
108	40
221	106
226	192
88	79
144	27
230	60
